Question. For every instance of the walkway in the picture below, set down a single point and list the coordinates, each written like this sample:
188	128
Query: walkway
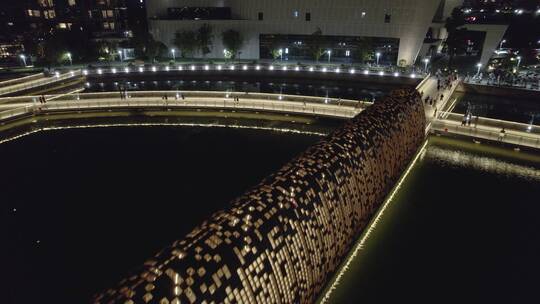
287	104
36	82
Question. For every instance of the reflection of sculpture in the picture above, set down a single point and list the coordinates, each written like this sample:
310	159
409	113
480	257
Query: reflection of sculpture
283	239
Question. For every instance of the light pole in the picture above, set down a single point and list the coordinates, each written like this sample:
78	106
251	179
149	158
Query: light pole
378	55
120	55
329	54
281	54
519	62
173	51
479	66
23	59
501	44
70	59
426	61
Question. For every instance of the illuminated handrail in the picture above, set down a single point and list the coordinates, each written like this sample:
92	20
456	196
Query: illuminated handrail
40	82
316	106
276	67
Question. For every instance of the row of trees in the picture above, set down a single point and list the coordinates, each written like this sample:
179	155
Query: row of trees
189	42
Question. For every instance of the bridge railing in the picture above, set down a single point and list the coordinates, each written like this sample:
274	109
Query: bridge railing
494	123
195	100
509	137
189	94
14	81
270	67
38	83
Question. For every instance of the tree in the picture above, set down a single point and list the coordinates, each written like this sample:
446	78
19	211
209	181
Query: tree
147	47
233	41
186	42
204	39
315	44
455	42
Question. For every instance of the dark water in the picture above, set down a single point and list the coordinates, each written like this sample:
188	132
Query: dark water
346	91
517	109
82	207
464	228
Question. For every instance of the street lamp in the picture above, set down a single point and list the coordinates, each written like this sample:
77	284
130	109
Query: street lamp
426	61
70	59
23	59
501	44
519	62
479	66
281	54
173	51
378	55
120	55
329	54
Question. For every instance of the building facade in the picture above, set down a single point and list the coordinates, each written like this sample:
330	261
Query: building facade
395	29
350	30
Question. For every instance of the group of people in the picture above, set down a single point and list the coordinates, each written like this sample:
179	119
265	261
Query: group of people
522	79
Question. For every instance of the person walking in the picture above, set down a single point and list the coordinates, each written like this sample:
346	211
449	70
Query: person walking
502	134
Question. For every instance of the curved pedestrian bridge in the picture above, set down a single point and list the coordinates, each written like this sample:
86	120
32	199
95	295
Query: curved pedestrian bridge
18	107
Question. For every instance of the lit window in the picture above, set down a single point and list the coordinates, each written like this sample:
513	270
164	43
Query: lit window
62	25
296	14
72	2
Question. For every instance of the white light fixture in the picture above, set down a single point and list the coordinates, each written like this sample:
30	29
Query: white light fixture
192	67
245	67
413	75
366	72
113	70
154	69
206	67
232	67
141	69
219	67
337	70
258	67
126	70
311	69
381	73
396	74
167	68
271	68
285	68
352	71
99	71
297	68
85	72
324	70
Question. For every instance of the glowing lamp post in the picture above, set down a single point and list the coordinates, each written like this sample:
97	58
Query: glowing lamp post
426	62
70	58
479	66
501	44
120	56
378	55
23	57
173	52
519	62
329	55
281	54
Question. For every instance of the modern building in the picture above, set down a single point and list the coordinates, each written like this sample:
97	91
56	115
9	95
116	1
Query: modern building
350	30
101	18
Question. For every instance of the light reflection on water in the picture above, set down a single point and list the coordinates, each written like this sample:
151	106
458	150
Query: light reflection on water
461	159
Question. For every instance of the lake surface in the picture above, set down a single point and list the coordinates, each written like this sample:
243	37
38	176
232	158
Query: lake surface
82	207
463	228
363	91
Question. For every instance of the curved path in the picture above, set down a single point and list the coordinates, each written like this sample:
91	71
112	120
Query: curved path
19	107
